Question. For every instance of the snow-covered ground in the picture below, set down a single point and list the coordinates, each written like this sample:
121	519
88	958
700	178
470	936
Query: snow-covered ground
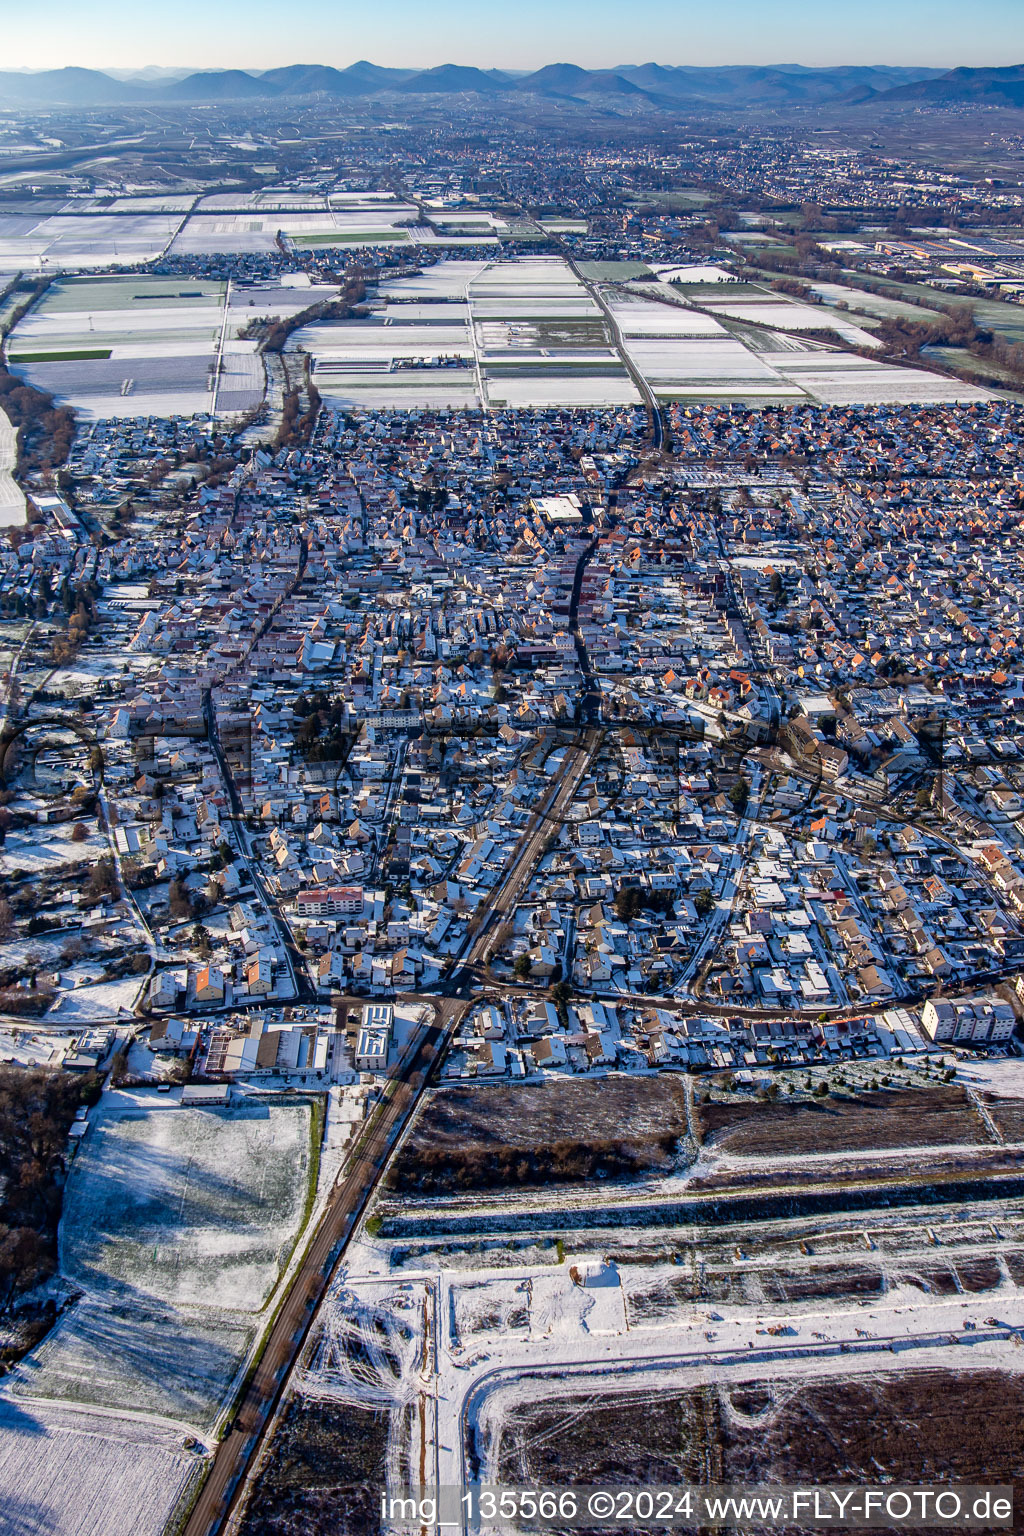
486	1340
99	1004
12	497
178	1224
188	1206
67	1473
42	850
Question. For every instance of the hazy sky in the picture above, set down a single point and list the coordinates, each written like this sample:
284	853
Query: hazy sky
519	34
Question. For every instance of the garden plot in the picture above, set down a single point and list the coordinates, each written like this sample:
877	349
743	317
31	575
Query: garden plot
45	850
65	1473
188	1206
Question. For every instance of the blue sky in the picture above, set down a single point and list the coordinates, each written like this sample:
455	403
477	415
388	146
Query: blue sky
519	34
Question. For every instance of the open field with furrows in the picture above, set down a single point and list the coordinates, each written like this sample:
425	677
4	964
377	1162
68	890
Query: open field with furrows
489	1137
876	1119
915	1427
322	1473
81	1474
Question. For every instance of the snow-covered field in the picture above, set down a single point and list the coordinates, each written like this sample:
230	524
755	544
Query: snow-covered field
98	241
133	1356
149	346
12	497
177	1226
98	1004
189	1206
64	1473
41	850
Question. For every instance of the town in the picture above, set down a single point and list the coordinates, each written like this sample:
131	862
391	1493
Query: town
511	780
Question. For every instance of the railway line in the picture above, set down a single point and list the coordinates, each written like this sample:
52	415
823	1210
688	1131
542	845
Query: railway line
225	1486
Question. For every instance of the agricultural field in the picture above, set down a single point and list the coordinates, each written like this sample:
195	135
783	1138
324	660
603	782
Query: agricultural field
134	346
528	333
875	304
541	338
614	271
37	245
743	343
133	1355
98	1476
253	223
787	315
184	1204
518	333
844	378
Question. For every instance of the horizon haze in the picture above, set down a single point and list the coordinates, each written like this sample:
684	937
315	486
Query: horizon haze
120	36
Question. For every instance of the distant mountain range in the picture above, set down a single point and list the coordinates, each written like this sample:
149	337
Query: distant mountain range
990	87
655	85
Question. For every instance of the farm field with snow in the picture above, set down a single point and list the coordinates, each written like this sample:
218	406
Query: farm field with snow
133	346
185	1204
518	333
177	1225
79	240
85	1474
528	333
247	223
139	1357
138	345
